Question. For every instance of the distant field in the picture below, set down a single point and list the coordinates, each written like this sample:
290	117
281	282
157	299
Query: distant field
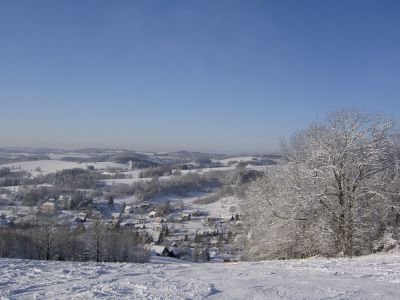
50	166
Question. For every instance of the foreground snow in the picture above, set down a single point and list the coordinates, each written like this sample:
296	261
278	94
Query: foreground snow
370	277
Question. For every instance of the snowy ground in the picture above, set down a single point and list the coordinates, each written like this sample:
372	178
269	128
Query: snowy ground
370	277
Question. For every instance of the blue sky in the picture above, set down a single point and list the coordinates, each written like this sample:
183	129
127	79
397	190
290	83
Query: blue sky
216	76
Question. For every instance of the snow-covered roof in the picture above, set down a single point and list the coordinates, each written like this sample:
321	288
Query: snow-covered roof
116	215
157	249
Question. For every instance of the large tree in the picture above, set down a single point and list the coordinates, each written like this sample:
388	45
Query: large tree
334	194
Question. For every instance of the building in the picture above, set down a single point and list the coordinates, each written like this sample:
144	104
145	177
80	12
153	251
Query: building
186	217
81	217
156	250
116	216
48	207
128	209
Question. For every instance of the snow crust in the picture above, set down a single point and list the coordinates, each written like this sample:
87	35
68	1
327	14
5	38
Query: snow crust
370	277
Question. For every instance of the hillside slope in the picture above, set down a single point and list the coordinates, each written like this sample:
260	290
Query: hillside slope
369	277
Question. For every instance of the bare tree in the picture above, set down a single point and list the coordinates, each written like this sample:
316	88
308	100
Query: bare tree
98	231
46	237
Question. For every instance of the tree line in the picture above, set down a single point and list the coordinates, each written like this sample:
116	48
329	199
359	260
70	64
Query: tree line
178	185
44	239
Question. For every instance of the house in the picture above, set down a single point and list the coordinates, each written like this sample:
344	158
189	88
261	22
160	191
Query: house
48	207
10	219
186	217
161	227
128	209
209	221
156	250
81	217
116	219
226	257
159	220
22	214
239	223
214	252
112	174
140	226
143	205
182	253
196	213
127	222
6	220
65	201
116	216
214	242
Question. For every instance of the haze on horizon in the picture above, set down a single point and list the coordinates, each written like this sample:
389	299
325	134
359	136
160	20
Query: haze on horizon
213	76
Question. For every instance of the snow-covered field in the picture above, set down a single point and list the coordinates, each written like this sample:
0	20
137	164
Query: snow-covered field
127	200
227	161
50	166
220	208
369	277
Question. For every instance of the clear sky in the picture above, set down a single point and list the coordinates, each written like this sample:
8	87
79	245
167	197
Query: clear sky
216	76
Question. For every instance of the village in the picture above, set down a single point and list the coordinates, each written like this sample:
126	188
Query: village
194	219
171	229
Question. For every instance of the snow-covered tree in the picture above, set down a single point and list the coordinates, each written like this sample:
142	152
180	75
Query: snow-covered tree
333	195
